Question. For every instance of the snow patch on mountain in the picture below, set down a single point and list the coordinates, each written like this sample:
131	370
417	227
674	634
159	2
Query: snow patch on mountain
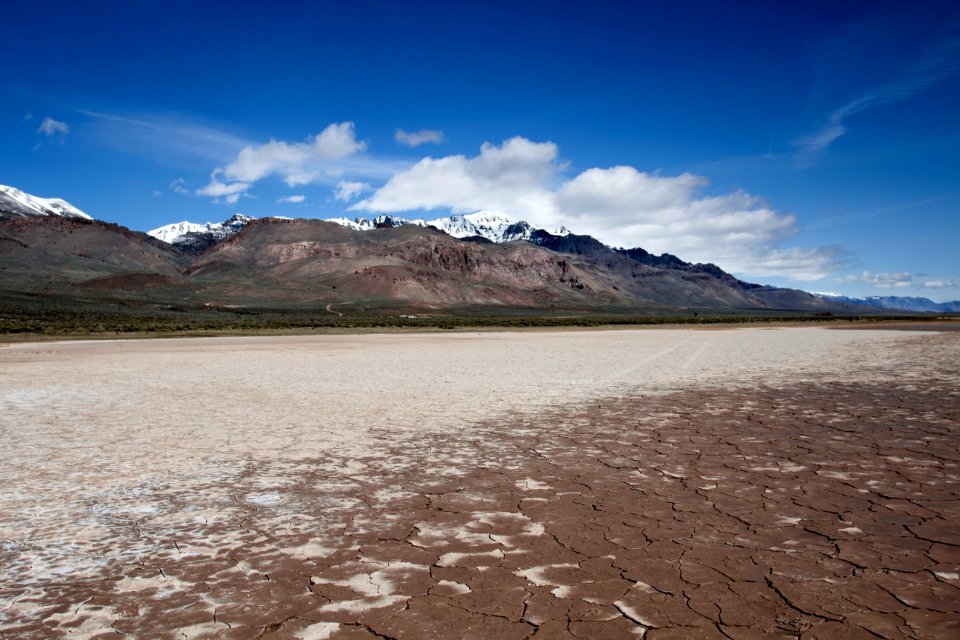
366	224
14	202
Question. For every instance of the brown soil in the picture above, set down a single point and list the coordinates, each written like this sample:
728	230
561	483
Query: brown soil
813	509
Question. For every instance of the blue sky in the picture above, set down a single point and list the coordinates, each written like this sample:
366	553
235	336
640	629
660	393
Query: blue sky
814	145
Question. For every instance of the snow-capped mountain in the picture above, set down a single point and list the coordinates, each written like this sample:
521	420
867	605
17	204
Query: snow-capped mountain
486	224
492	225
18	204
896	303
178	232
366	224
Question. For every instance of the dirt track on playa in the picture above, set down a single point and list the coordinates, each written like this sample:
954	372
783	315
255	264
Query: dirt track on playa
651	483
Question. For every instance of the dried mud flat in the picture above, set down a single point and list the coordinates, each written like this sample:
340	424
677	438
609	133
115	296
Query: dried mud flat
662	483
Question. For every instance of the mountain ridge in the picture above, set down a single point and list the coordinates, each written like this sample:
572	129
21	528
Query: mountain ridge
896	303
387	263
491	225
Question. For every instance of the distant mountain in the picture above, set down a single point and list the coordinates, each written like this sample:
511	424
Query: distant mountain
703	285
18	204
459	264
897	303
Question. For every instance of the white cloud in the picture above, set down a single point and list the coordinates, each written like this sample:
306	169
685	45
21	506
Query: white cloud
179	186
510	177
939	284
295	199
173	138
738	231
626	193
51	128
883	280
298	163
157	193
937	63
346	190
796	263
416	138
620	206
229	192
820	140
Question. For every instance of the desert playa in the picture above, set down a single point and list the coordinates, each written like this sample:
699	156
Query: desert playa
660	483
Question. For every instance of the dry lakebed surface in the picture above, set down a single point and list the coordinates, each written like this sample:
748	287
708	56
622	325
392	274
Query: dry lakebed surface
654	483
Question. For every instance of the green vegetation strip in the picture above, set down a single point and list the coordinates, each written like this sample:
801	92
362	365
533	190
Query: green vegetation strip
26	324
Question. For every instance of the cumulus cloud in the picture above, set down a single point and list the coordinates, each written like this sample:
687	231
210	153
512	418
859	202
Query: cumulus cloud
621	206
939	284
346	190
883	280
294	199
626	192
510	177
297	163
416	138
739	231
179	186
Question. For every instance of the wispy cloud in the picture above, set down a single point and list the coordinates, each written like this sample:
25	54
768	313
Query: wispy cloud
414	139
294	199
180	186
55	129
937	62
169	137
939	284
883	280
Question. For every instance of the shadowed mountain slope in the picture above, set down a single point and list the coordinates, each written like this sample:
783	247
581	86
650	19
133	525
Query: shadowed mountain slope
57	254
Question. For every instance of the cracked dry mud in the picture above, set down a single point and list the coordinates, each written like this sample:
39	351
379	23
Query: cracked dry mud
813	498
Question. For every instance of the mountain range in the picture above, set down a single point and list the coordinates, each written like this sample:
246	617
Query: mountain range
465	264
489	225
912	304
